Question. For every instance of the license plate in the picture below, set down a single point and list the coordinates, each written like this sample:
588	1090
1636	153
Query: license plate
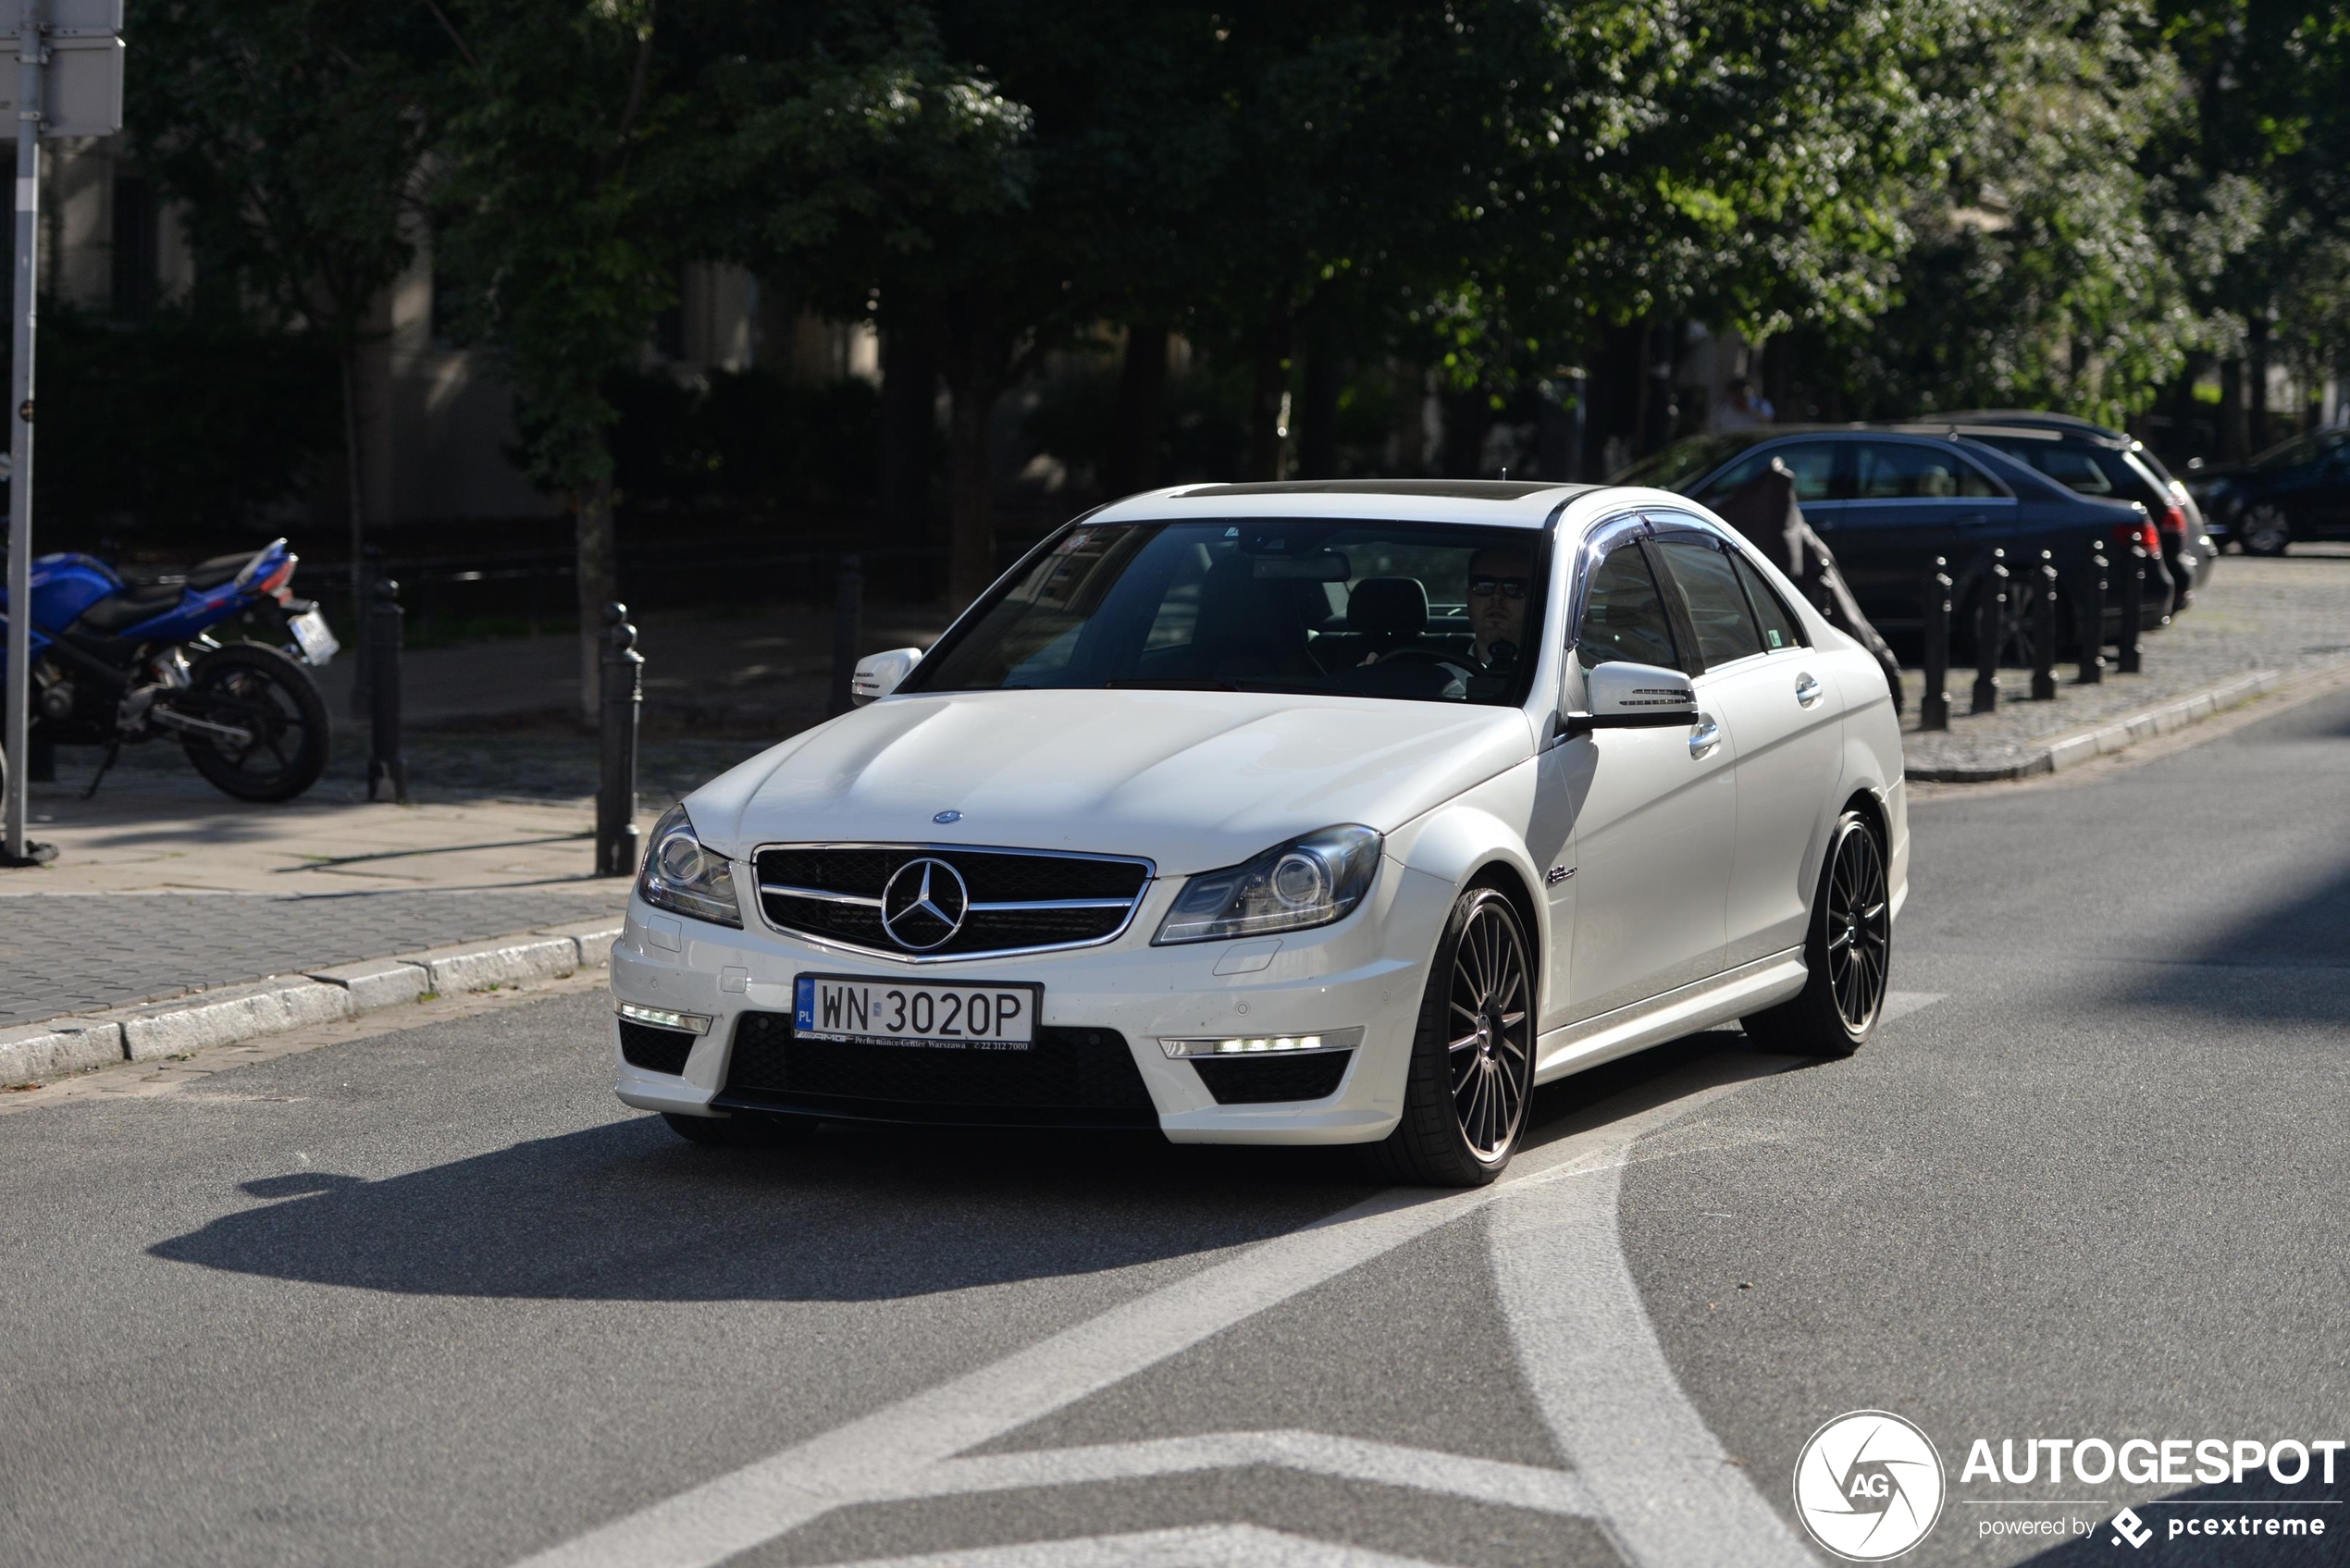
310	632
936	1015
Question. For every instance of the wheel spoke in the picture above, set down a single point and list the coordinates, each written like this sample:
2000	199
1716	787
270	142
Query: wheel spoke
1463	1044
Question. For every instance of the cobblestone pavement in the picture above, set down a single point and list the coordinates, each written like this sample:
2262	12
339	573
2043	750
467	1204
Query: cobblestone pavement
2290	614
68	953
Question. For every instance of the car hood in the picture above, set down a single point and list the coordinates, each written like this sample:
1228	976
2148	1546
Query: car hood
1192	780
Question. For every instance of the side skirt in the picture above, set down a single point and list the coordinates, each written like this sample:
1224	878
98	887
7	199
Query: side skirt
1749	988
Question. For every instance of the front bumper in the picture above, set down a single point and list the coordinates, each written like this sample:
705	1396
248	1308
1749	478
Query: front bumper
1366	970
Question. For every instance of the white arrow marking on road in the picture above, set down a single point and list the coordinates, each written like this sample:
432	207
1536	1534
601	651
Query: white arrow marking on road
1494	1481
1203	1546
880	1454
1668	1495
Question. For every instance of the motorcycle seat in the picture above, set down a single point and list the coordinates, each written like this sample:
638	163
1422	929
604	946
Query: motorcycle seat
219	569
119	611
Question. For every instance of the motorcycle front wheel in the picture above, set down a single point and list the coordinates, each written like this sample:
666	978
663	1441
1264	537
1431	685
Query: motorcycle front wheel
273	700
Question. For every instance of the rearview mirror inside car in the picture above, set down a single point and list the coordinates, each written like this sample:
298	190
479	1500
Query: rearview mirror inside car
878	674
1624	696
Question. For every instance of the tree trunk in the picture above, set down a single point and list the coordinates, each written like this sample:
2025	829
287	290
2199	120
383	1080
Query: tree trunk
1467	416
593	535
358	494
1266	435
1411	421
2231	431
909	431
971	491
1142	384
2256	367
1317	415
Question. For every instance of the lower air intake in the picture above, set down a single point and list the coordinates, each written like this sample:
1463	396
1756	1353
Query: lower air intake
1272	1080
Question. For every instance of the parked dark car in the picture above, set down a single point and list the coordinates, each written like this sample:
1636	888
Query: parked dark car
1888	501
2299	490
2097	461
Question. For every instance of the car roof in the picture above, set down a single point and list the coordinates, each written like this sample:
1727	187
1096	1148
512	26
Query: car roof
1494	502
2028	418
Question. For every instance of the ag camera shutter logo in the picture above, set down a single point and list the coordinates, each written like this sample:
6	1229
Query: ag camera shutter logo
1868	1486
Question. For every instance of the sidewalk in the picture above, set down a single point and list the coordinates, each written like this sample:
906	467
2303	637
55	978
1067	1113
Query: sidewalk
2289	617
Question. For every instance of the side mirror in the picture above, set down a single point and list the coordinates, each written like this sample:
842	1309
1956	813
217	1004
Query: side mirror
1625	695
878	674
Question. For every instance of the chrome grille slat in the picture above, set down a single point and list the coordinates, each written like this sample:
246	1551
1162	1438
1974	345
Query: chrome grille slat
1019	900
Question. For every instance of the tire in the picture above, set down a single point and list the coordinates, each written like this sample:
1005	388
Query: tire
1465	1093
2264	529
736	1133
259	689
1848	952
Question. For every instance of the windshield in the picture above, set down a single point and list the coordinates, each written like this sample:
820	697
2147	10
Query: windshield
1684	462
1416	611
2301	450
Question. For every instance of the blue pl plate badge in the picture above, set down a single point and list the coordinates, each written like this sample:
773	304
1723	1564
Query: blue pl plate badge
804	1004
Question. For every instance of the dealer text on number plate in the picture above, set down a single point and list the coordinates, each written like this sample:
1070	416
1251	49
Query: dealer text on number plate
972	1017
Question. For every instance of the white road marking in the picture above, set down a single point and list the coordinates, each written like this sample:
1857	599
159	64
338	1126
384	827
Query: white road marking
1901	1004
1202	1546
1667	1494
881	1453
1492	1481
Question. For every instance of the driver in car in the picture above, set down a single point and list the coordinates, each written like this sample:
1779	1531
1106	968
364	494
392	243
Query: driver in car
1499	581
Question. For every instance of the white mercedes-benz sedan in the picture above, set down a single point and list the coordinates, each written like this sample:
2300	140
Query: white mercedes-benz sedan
1289	813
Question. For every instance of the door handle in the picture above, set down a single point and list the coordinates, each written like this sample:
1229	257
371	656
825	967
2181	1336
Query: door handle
1706	737
1808	691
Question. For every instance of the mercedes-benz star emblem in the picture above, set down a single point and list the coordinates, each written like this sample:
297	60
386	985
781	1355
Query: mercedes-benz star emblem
923	904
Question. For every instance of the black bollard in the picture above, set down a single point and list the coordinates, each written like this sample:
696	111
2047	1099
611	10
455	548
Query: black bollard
2133	599
383	638
1990	631
1933	708
2092	618
622	700
2044	628
849	630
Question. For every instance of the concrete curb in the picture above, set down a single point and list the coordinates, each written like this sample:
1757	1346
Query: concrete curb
227	1014
2071	751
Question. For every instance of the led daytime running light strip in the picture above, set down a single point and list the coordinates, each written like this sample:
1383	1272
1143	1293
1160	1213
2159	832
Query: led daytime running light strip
662	1018
1264	1045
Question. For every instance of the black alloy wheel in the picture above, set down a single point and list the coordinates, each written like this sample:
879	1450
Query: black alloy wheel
1472	1068
2264	529
274	701
1848	953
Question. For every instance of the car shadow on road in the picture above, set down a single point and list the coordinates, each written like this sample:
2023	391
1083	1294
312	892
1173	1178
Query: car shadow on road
627	1212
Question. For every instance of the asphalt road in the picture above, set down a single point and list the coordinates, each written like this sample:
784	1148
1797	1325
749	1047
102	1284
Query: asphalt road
436	1298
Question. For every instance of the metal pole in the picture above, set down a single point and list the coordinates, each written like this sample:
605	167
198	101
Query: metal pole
2044	627
1934	705
2092	618
14	851
381	635
2134	589
621	679
1990	633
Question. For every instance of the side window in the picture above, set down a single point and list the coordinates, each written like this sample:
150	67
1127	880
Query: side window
1709	583
1811	462
1623	615
1780	628
1900	471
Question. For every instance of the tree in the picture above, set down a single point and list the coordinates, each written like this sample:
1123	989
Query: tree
291	132
570	171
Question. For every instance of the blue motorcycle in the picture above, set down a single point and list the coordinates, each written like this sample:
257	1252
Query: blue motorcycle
118	663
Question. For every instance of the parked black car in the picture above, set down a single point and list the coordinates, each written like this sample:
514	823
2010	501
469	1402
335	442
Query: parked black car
2299	490
1888	501
2097	461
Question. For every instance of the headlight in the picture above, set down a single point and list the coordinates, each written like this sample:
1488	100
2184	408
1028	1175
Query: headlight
1307	881
680	874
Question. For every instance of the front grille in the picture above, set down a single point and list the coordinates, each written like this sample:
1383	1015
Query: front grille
1012	900
655	1050
1067	1078
1262	1080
